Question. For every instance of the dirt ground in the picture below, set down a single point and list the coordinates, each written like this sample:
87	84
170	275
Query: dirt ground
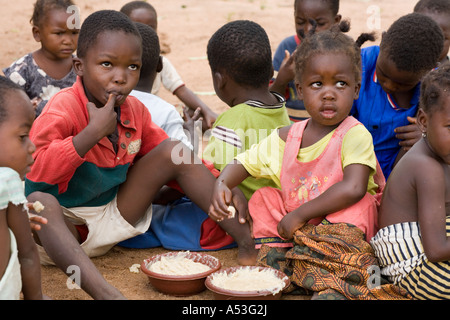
185	26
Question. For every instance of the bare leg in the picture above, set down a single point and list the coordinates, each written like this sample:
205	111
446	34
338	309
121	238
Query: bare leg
159	167
58	239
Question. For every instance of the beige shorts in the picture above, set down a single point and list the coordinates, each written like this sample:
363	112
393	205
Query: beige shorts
106	228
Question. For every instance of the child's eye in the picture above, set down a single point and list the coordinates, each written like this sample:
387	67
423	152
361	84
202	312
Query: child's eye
106	64
134	67
341	84
316	84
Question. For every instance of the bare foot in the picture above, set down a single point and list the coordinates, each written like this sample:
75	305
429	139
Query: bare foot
247	255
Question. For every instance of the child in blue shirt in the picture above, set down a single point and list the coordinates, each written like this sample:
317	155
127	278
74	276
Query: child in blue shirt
390	88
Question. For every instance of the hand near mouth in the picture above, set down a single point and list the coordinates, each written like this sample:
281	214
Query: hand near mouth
102	122
103	119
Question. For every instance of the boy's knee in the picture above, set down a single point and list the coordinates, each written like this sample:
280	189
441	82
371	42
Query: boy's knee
49	202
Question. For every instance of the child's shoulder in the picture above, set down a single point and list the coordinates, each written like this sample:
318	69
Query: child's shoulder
20	68
11	188
369	55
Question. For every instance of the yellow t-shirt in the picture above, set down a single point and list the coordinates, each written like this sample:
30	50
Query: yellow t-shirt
263	160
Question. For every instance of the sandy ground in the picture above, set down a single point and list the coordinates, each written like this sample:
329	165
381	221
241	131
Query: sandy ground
185	26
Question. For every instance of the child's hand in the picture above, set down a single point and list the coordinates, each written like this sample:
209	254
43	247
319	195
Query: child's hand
289	224
209	117
104	119
221	200
241	204
408	134
286	72
35	220
191	123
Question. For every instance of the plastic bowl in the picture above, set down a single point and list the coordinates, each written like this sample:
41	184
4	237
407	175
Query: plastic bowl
180	285
225	294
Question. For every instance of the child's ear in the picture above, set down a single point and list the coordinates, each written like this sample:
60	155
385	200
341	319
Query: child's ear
357	88
337	18
160	65
78	66
422	120
36	33
299	90
220	79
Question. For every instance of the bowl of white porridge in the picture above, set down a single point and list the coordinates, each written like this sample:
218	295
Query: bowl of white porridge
247	283
180	273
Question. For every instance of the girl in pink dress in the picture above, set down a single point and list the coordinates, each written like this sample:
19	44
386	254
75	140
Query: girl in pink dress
325	166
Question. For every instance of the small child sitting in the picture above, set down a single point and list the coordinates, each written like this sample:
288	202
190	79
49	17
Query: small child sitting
412	245
19	260
49	69
239	55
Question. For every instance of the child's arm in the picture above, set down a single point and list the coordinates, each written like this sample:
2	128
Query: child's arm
27	251
193	102
341	195
430	189
230	177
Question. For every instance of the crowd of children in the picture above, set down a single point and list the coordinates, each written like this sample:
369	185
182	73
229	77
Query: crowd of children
323	159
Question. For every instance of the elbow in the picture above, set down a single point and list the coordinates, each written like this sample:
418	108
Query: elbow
355	193
436	255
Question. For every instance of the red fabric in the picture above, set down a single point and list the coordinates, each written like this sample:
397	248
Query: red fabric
82	231
213	236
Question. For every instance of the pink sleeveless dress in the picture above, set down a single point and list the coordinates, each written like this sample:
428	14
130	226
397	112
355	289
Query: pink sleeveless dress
304	181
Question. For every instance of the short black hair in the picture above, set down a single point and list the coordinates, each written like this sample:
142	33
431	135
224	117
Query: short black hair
103	21
42	7
133	5
242	50
434	85
414	43
436	6
6	85
333	5
331	41
150	49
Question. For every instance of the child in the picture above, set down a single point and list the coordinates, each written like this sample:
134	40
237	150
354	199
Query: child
323	15
19	259
141	11
439	11
325	167
389	95
100	155
45	71
241	68
412	244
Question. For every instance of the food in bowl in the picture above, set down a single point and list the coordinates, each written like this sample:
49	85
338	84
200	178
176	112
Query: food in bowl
178	265
180	285
249	279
